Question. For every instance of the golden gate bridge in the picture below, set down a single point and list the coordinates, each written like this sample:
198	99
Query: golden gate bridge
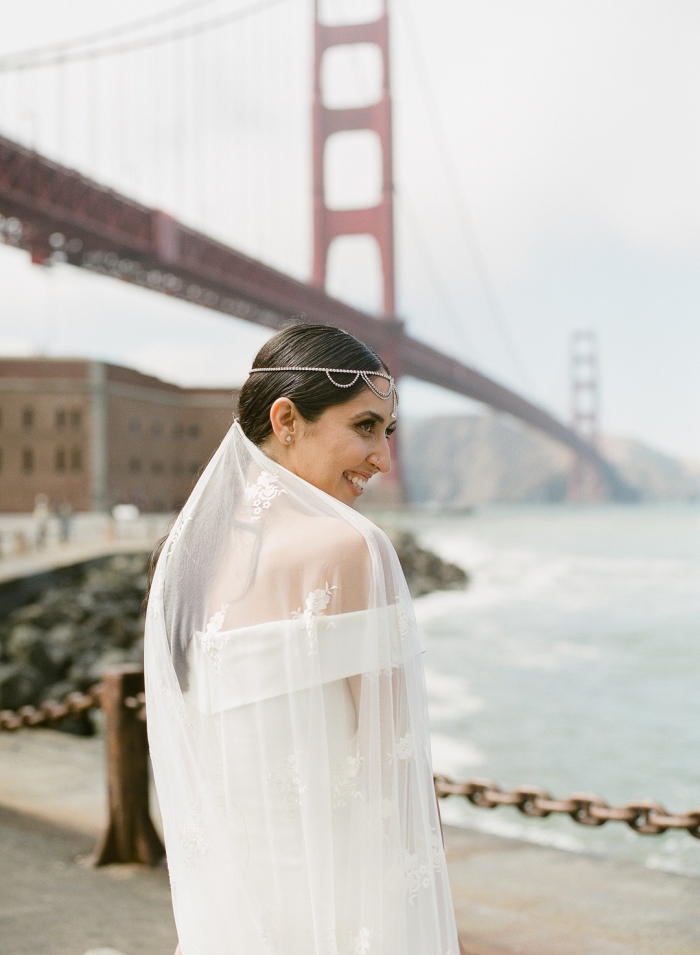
56	213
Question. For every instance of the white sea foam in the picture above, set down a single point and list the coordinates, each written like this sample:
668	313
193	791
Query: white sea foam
570	661
453	757
456	813
449	697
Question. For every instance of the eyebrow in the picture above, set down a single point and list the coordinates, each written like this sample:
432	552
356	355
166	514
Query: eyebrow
369	414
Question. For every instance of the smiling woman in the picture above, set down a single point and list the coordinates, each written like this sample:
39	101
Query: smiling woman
284	682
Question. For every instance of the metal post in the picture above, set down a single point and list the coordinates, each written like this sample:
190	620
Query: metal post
130	835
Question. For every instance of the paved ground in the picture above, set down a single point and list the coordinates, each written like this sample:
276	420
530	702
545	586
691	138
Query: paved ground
511	898
514	898
52	903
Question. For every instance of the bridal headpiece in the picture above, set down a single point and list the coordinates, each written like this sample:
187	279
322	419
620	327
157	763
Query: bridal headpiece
365	375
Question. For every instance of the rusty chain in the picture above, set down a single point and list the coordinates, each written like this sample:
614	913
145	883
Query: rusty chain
645	816
137	703
51	711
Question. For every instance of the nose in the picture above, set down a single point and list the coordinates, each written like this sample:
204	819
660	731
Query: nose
381	458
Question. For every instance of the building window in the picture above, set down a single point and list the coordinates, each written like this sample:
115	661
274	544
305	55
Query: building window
134	426
157	428
60	460
194	430
76	459
135	465
157	467
28	418
60	418
27	460
76	418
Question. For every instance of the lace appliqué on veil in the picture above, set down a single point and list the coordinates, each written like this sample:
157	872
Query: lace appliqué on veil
179	528
404	747
308	619
419	871
211	640
262	493
344	775
362	942
286	782
401	617
192	839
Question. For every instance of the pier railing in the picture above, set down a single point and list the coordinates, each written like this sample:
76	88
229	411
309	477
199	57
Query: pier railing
131	836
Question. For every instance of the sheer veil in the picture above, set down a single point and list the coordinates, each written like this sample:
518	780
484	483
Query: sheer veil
288	725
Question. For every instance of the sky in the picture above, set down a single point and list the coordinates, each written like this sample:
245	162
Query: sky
550	147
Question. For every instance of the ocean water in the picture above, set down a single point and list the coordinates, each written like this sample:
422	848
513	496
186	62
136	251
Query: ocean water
571	662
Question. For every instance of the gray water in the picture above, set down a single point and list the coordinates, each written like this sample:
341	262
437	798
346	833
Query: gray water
571	662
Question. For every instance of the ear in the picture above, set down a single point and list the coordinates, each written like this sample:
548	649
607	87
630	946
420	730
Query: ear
284	419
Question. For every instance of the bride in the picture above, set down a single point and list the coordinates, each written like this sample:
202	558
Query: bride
284	681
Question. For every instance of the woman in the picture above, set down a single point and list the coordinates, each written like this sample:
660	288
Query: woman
285	693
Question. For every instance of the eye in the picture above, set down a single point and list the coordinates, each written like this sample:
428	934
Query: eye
367	426
390	430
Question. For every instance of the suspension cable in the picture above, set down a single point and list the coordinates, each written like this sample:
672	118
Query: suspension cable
465	220
65	46
448	306
13	64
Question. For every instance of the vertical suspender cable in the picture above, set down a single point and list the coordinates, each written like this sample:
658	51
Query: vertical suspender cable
452	178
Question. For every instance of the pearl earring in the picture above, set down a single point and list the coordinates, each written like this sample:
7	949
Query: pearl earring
288	438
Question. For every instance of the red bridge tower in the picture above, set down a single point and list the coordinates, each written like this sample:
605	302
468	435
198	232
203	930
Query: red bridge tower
585	480
377	220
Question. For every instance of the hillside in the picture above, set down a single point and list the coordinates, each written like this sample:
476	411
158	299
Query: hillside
479	459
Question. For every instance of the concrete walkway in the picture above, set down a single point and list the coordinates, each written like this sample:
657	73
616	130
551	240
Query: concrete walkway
511	898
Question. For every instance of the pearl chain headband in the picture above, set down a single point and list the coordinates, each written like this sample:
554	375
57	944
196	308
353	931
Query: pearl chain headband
365	375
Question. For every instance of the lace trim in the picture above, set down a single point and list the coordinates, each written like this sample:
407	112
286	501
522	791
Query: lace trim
344	781
262	493
404	747
286	782
417	876
210	640
419	871
308	619
362	942
192	839
401	616
175	703
179	528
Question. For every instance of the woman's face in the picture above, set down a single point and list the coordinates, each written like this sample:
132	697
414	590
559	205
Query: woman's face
341	451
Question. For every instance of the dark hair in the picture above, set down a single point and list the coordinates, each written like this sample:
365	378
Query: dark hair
302	344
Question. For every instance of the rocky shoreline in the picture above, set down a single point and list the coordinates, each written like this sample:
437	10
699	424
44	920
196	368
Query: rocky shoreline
63	638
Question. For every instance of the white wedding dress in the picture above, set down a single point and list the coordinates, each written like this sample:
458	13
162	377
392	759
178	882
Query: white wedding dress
288	726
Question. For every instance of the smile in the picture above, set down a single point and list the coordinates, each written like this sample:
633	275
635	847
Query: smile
358	482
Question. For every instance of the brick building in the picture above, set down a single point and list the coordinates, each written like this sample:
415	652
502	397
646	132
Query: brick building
94	435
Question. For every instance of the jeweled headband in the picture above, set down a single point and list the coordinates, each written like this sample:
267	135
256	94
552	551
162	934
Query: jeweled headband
365	375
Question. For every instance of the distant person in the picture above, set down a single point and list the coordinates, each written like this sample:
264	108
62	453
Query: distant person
64	513
284	681
41	519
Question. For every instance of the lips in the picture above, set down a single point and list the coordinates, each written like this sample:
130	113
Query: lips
358	481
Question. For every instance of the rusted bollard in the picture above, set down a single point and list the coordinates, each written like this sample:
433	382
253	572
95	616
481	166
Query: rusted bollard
130	835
